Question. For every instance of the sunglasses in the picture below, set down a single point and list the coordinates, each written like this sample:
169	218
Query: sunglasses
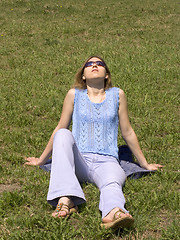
91	63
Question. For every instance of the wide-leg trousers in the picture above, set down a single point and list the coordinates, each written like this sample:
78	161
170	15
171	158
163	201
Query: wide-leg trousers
70	168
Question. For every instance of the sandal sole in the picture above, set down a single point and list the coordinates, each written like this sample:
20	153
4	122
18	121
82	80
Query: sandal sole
125	222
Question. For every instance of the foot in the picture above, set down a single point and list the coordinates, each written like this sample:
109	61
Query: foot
117	218
64	208
115	213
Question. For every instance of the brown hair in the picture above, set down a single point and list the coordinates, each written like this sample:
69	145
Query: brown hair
81	84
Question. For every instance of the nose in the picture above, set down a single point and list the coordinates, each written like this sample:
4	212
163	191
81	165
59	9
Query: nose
94	64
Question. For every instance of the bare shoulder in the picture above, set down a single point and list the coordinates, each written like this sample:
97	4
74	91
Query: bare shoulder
70	95
122	95
71	92
123	106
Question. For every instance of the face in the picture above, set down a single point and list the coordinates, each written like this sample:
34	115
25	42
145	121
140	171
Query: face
94	68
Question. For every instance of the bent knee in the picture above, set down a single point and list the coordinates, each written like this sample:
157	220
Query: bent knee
63	133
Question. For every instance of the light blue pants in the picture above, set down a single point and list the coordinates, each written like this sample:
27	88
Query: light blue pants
70	167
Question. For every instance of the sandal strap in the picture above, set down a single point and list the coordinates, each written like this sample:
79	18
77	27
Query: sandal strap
118	211
62	207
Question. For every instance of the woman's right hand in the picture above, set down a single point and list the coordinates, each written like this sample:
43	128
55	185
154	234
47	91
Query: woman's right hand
32	161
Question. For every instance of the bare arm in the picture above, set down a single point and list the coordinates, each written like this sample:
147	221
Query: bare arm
129	135
64	122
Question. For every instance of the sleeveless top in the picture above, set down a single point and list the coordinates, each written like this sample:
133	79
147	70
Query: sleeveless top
95	125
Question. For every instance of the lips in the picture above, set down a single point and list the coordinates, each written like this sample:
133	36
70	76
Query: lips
95	70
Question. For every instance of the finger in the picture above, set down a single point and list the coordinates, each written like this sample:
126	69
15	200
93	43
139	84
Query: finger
159	166
154	168
27	158
28	163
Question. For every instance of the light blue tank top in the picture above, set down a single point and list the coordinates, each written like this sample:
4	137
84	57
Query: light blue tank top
95	125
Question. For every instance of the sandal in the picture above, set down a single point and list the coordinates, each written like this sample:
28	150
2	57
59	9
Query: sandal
64	207
118	221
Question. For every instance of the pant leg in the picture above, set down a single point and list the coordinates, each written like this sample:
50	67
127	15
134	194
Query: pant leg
108	175
68	168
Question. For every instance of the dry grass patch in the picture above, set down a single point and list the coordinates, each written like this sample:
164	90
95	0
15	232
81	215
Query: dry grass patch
9	187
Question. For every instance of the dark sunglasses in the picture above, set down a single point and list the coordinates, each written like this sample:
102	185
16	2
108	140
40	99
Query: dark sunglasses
91	63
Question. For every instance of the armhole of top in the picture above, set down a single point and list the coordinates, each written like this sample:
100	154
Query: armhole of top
117	97
75	97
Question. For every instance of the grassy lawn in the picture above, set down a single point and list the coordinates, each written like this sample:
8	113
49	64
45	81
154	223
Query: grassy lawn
42	44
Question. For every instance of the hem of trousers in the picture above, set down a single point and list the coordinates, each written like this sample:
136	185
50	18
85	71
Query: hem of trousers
76	198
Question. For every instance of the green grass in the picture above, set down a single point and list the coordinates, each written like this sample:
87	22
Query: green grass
42	44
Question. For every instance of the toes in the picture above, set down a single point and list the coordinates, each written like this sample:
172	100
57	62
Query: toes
128	215
122	214
59	214
62	213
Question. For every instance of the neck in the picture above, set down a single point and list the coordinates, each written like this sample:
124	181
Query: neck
94	91
95	83
96	95
95	87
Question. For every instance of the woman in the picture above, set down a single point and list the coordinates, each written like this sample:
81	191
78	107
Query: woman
90	152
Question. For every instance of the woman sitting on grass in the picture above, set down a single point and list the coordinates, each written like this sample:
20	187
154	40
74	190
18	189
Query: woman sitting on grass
89	153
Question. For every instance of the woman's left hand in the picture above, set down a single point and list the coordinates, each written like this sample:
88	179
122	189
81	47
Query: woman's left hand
154	167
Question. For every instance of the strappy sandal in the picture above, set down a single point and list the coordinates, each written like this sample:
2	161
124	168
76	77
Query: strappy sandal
64	207
119	221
